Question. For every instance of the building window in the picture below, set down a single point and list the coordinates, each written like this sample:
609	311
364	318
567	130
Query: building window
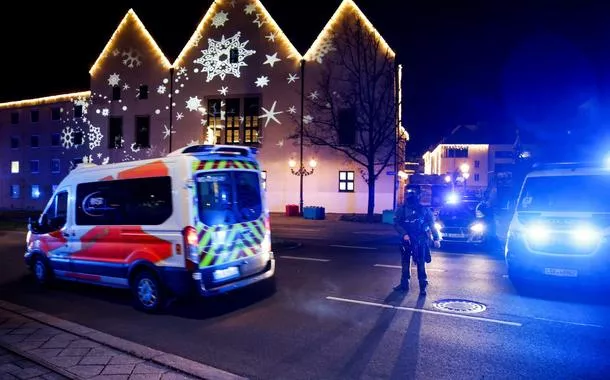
34	116
477	163
476	177
346	181
455	152
15	191
35	191
143	131
234	55
115	132
55	113
78	138
35	141
215	118
78	110
34	166
14	167
143	93
116	93
55	165
14	142
264	179
251	123
56	139
232	121
14	117
347	127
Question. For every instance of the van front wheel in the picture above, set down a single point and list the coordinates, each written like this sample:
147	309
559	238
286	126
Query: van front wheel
148	292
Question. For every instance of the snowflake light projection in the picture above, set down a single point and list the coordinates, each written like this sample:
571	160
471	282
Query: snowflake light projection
322	49
193	103
114	79
95	137
83	103
67	137
131	58
220	19
215	60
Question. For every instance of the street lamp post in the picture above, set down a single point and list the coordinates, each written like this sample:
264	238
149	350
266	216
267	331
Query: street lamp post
302	171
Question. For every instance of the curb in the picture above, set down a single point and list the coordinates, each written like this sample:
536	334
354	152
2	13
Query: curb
171	361
41	362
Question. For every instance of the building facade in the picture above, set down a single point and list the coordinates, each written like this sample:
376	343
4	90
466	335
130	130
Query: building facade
238	80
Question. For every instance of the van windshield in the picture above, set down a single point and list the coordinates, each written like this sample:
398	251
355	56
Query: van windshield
228	197
587	193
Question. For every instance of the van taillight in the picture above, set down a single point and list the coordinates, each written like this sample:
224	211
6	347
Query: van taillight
191	245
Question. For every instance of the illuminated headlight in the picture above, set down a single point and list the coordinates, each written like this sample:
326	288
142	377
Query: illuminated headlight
477	227
438	226
220	237
452	198
586	235
538	233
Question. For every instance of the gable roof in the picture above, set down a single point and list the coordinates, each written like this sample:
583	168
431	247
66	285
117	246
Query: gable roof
129	17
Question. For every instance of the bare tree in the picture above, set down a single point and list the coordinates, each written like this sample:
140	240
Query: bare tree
353	110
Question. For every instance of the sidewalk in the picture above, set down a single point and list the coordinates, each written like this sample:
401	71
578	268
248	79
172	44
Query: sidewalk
35	345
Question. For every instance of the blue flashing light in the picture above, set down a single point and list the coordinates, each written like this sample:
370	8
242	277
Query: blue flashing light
452	198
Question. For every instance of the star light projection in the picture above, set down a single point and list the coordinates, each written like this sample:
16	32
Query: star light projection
216	59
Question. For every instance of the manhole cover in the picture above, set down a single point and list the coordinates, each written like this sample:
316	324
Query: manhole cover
459	306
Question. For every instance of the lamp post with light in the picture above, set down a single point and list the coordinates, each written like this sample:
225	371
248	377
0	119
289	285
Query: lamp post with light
302	171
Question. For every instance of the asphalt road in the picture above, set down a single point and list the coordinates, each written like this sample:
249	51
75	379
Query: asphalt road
334	315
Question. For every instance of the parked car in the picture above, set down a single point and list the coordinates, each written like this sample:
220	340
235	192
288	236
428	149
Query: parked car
460	221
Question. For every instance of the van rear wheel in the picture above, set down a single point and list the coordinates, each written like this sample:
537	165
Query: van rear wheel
148	292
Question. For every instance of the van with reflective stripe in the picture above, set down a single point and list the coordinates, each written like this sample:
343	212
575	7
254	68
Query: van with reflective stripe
193	222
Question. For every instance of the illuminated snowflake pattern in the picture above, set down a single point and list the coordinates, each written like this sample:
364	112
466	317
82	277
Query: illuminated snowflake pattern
135	148
193	103
83	103
249	9
161	89
114	79
105	112
67	137
215	60
131	58
220	19
262	81
95	137
323	49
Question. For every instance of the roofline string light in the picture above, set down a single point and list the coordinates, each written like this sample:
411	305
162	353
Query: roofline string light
345	6
130	15
45	100
294	53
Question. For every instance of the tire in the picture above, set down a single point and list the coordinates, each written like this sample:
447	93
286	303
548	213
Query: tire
41	270
148	293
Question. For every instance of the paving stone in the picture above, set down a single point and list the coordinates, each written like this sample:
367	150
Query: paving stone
75	352
124	359
12	338
86	370
64	361
111	377
174	376
27	346
7	358
103	351
149	368
83	343
53	376
9	368
118	369
150	376
56	343
98	360
46	352
29	373
24	331
7	376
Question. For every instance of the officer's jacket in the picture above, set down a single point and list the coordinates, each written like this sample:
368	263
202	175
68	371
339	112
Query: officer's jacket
416	221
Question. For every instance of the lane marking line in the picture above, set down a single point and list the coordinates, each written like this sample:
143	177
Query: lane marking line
352	246
424	311
570	323
304	258
400	267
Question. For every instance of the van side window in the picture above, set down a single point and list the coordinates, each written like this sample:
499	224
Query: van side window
141	201
56	215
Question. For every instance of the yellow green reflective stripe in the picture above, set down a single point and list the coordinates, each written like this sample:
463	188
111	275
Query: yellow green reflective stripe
222	164
238	164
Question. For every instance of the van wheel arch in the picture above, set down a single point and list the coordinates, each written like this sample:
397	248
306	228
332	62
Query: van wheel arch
145	275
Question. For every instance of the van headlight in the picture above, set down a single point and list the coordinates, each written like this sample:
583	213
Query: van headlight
586	235
478	227
538	233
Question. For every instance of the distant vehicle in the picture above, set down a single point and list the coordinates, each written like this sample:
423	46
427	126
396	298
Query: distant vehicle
459	223
561	223
195	221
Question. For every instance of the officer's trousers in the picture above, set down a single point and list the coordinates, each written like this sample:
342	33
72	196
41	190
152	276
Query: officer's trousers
417	252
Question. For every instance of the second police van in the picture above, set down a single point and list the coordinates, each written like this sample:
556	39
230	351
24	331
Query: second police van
195	220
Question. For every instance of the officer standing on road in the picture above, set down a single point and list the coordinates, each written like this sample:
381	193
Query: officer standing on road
415	224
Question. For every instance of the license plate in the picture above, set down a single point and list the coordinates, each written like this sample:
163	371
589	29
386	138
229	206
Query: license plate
454	235
224	274
561	272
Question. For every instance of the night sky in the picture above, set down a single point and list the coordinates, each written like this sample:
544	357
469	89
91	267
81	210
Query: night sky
543	66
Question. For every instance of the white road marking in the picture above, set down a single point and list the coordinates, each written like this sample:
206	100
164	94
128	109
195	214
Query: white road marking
400	267
424	311
570	323
351	246
304	258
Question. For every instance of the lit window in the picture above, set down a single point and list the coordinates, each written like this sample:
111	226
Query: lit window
35	191
346	181
264	179
15	191
55	165
15	167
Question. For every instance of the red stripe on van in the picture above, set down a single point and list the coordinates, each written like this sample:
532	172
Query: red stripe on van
153	169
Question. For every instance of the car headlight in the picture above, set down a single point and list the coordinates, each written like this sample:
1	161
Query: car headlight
586	235
477	227
438	226
538	233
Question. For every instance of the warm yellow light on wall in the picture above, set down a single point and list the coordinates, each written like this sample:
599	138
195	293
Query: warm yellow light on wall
111	44
207	19
345	7
45	100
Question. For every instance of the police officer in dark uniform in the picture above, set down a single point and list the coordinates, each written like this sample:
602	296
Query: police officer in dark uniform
415	224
